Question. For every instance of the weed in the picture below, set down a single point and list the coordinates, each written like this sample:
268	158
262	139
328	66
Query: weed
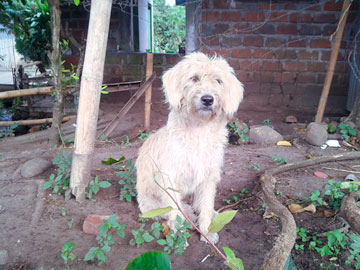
336	242
279	160
331	129
63	211
66	253
302	233
141	235
354	251
9	132
333	190
267	122
299	247
105	240
128	182
240	132
103	139
144	136
95	186
278	193
347	131
176	241
256	167
315	198
61	182
126	142
71	223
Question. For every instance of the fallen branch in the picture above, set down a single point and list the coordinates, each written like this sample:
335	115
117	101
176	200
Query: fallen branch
26	92
276	258
33	121
340	170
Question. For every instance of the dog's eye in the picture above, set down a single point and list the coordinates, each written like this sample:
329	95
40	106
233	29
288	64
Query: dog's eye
195	78
219	81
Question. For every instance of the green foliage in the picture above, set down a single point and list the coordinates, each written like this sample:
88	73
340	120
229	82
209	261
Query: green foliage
144	136
176	241
256	167
61	181
331	129
169	27
333	190
105	240
315	198
150	260
267	122
354	250
242	133
156	212
279	160
111	161
29	22
233	262
128	182
126	142
94	188
10	132
302	233
66	253
347	131
218	223
141	235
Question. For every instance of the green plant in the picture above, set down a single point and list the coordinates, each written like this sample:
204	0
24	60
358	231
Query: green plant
105	240
256	167
354	251
141	235
302	233
61	182
176	241
314	243
299	247
126	142
10	132
144	136
267	122
240	132
66	253
150	260
315	198
336	241
128	182
279	160
63	211
94	188
331	129
346	131
333	190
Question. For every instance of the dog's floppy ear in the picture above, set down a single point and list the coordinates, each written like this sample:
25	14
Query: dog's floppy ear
233	90
171	87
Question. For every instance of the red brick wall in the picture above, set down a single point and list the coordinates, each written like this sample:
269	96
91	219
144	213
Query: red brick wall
279	51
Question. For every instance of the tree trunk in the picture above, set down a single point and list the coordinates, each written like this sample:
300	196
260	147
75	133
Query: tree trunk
55	58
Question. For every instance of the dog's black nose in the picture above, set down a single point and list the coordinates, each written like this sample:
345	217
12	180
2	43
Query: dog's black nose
207	100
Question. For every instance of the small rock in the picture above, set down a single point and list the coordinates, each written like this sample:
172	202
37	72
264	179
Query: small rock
321	175
34	167
316	134
264	135
92	223
3	257
290	119
351	177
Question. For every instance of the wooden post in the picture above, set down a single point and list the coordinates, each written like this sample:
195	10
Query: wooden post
89	101
332	63
149	72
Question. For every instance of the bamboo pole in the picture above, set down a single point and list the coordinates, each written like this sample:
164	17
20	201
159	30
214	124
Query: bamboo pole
332	63
26	92
91	81
115	122
149	72
34	121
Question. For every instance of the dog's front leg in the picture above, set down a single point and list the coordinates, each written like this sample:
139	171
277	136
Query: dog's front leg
204	203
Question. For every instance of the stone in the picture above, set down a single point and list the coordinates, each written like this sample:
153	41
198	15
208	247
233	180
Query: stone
264	135
321	175
34	167
92	223
3	257
290	119
316	134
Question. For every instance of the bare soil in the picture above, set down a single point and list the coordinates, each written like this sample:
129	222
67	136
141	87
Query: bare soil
33	229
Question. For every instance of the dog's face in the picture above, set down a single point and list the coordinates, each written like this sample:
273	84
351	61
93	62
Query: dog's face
203	86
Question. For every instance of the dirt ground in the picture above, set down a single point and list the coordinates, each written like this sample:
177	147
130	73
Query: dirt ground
33	229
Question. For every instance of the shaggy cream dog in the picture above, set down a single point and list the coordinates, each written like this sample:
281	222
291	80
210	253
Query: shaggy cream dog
187	154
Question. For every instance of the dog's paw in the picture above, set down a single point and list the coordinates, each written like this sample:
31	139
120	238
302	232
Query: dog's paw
213	237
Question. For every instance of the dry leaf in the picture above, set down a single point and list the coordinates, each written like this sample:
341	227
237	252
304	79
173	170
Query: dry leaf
296	208
311	208
166	230
283	143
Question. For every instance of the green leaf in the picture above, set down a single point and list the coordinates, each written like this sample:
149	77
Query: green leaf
156	212
76	2
161	242
103	229
105	184
47	185
236	262
147	237
111	160
221	220
91	254
151	260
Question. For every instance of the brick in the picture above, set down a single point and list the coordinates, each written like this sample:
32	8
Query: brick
246	65
294	66
307	55
245	76
324	18
290	6
254	16
242	27
271	66
320	43
317	67
252	87
333	6
314	7
266	77
310	29
285	54
287	29
312	89
234	63
289	88
328	30
276	77
231	41
92	223
341	67
205	4
274	42
211	41
267	29
288	77
241	53
221	4
275	89
300	18
263	54
265	6
306	78
298	43
279	17
254	41
231	16
83	24
223	52
220	28
210	16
